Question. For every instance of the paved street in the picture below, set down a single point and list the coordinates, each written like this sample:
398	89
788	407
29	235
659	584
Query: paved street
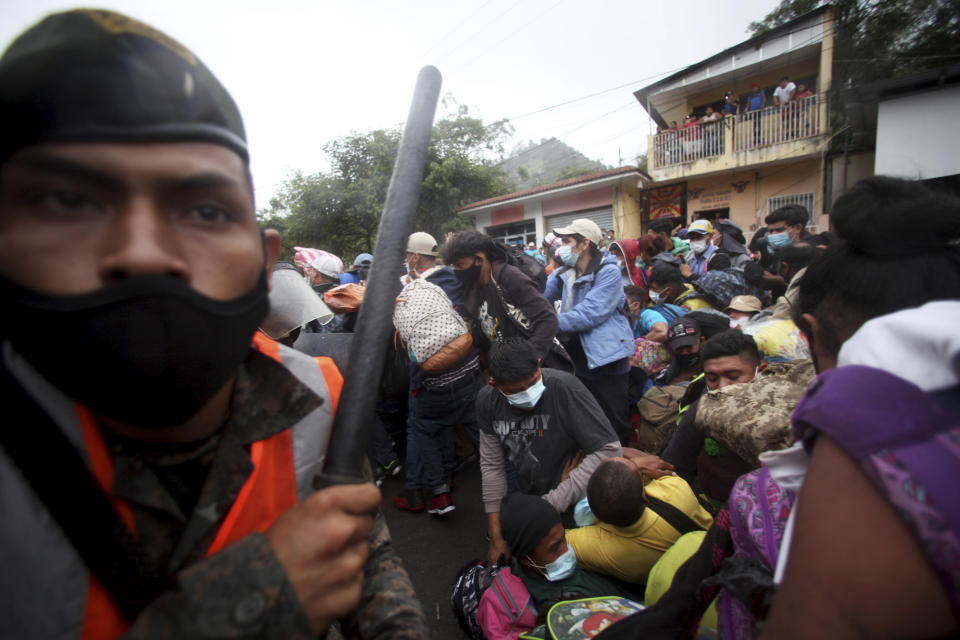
434	549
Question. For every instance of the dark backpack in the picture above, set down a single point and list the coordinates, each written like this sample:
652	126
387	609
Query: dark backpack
472	580
527	264
720	287
658	408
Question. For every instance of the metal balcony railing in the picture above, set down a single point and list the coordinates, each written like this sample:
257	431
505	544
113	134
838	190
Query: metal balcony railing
795	120
799	118
699	140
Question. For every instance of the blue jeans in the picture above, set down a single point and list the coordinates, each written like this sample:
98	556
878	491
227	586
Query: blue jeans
432	416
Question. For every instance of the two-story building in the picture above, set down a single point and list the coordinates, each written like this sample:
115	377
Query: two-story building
614	199
751	161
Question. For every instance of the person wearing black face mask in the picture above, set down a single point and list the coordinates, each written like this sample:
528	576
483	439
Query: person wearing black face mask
158	454
501	300
684	340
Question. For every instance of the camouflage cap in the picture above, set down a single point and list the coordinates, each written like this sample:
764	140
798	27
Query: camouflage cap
98	76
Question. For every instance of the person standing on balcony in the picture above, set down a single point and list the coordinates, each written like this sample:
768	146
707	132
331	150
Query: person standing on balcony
710	131
803	108
691	138
781	96
731	104
756	101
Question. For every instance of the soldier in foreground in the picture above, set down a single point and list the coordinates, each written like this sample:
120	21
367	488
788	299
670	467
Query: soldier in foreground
156	466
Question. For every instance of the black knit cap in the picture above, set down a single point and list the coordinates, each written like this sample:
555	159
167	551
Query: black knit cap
98	76
524	521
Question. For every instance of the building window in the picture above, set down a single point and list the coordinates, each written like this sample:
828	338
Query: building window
803	199
517	233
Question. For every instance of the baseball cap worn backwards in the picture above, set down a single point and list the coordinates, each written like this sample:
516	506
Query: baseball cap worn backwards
323	261
423	243
98	76
584	227
683	332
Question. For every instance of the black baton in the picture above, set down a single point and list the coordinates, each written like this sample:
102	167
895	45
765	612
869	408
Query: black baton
350	438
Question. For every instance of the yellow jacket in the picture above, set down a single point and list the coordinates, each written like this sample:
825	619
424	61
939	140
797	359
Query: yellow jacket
628	553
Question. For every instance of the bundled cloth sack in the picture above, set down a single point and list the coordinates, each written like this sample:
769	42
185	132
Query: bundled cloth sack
652	357
778	339
754	417
346	298
436	336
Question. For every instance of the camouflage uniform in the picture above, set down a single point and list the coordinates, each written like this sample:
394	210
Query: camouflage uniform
179	494
755	417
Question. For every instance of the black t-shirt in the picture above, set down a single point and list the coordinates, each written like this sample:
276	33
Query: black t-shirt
538	442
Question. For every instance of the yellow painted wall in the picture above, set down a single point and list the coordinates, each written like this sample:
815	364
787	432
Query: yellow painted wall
749	207
627	211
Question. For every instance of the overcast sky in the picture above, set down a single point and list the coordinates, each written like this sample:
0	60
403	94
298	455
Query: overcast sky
306	72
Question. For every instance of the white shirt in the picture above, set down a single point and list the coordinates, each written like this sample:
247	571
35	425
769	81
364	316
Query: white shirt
783	94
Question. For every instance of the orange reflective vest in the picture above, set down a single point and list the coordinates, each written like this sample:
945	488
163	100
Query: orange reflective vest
269	491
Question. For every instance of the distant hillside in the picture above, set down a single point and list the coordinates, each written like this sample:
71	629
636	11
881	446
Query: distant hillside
536	163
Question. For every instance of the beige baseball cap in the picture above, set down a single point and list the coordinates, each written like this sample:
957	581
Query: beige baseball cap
423	243
747	304
584	227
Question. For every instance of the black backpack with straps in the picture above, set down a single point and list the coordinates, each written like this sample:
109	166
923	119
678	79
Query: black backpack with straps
529	265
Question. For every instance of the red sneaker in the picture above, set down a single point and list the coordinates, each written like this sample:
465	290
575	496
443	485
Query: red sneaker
409	501
441	504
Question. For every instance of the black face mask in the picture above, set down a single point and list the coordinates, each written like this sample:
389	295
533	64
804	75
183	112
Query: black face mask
468	277
688	360
149	351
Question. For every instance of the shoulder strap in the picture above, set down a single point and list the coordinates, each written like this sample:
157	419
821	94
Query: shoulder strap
500	588
660	308
677	519
77	504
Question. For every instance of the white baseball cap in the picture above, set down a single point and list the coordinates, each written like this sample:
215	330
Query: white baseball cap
584	227
323	261
423	243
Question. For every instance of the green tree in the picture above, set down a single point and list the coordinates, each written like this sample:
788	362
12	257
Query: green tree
339	210
878	39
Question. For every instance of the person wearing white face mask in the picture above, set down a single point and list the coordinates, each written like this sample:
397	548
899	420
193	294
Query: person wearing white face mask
698	235
543	559
538	420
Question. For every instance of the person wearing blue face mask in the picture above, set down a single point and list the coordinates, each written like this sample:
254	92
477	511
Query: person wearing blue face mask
592	327
536	422
543	559
785	226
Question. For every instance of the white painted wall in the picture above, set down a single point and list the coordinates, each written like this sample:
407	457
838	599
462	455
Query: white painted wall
918	136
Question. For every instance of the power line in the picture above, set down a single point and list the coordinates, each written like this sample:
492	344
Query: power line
577	128
482	29
460	24
508	36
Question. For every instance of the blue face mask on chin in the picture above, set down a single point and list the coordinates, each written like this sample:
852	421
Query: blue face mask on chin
529	397
561	568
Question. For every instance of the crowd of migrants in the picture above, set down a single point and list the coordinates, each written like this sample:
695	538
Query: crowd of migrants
678	434
631	399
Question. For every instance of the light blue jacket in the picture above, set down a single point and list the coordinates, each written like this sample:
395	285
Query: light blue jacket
597	297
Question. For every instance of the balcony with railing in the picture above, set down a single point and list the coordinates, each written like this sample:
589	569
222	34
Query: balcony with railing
755	137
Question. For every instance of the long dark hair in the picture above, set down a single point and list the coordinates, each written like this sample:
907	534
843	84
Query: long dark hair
899	247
